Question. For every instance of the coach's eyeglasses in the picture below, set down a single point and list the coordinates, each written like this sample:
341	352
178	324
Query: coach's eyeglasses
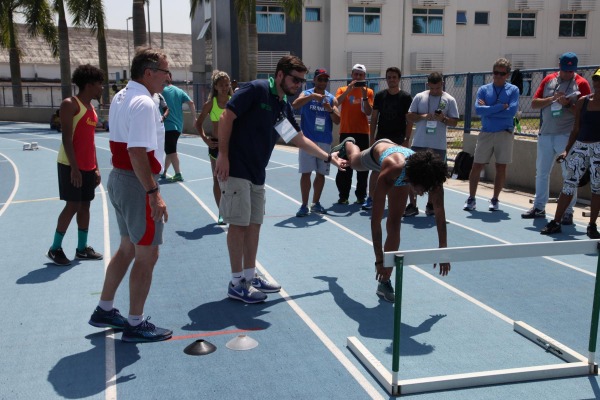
500	73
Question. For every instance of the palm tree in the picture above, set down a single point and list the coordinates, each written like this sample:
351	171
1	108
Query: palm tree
139	23
38	17
63	48
91	13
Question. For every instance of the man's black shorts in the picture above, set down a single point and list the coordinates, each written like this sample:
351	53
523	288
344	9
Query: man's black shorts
171	138
68	192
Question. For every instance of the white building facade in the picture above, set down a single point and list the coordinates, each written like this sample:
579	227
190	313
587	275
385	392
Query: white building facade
449	36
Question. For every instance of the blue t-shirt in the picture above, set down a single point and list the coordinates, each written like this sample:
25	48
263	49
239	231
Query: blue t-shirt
175	98
258	108
494	118
315	121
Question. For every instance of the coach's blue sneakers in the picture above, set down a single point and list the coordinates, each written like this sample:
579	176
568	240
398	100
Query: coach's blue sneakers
302	211
145	332
317	208
244	291
107	319
264	285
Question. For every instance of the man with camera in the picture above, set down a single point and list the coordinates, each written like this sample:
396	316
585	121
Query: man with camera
356	102
432	111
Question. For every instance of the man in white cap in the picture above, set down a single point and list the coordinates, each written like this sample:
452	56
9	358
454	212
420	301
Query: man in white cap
555	96
356	102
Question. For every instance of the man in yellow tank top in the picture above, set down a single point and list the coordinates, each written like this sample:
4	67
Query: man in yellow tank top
78	173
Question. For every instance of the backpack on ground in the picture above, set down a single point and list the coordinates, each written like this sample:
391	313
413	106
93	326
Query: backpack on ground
462	166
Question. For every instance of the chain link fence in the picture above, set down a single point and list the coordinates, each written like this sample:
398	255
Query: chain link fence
462	86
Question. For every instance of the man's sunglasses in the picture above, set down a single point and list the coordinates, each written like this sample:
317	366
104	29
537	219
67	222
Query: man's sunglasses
500	73
322	79
296	80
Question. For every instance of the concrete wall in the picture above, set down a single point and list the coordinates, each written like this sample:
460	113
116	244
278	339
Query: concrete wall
521	173
42	115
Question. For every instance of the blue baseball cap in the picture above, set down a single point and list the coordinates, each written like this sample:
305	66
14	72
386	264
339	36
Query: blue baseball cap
568	62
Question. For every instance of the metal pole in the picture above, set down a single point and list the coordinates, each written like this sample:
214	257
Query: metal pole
397	321
149	37
161	26
594	324
128	53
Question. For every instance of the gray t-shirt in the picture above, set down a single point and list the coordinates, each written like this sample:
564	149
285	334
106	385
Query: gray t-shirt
432	137
557	120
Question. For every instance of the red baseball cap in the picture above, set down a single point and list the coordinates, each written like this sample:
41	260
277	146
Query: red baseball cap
321	71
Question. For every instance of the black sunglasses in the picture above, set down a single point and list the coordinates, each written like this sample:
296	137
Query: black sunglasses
500	73
323	79
296	80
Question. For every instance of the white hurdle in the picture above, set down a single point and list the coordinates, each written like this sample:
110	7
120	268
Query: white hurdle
576	364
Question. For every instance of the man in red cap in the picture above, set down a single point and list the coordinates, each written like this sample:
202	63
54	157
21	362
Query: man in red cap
318	110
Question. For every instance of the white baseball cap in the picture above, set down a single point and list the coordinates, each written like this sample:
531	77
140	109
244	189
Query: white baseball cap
359	67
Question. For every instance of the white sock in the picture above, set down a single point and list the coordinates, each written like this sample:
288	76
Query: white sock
249	273
106	305
236	277
135	320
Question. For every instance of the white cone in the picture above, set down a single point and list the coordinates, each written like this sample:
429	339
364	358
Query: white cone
242	342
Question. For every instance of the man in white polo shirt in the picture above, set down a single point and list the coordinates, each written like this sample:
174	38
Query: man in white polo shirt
137	137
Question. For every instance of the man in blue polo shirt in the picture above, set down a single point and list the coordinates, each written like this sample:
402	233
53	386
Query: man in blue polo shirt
255	117
497	104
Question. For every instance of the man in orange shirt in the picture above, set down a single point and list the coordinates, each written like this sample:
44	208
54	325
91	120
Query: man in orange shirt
356	104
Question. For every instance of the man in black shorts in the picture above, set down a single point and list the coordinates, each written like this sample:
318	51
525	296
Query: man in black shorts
78	173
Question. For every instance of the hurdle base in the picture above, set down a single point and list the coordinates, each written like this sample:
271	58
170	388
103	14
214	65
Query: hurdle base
576	365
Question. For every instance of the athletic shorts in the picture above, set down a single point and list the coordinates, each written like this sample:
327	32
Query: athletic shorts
132	208
68	192
171	138
308	163
499	144
242	202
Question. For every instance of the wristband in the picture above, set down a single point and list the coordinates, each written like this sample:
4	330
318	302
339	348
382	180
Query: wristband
153	190
328	159
365	99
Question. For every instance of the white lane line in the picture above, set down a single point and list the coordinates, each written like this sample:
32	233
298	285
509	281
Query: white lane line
354	372
109	338
15	187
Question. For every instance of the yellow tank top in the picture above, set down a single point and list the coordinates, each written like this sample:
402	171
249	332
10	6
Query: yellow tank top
216	111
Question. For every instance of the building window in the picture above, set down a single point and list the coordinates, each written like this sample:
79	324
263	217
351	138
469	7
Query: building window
572	25
364	19
270	19
461	18
521	24
482	18
429	21
312	14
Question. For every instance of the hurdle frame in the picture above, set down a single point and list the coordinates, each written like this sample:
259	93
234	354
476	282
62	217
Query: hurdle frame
575	363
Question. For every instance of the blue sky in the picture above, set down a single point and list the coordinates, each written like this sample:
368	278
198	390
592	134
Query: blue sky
175	15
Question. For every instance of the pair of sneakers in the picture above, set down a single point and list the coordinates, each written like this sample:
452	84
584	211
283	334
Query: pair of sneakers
471	204
252	291
303	211
58	256
341	148
385	290
144	332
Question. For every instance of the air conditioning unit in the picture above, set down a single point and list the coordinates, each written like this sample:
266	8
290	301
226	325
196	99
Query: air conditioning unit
523	61
427	62
366	2
431	3
578	5
527	5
